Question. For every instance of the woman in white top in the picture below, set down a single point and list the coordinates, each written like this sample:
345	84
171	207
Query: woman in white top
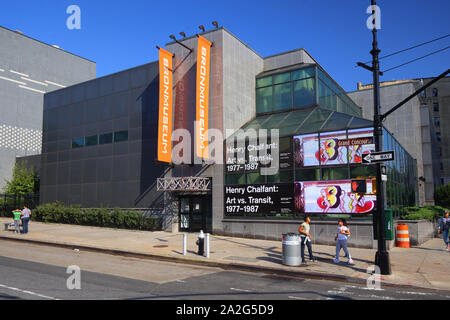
341	241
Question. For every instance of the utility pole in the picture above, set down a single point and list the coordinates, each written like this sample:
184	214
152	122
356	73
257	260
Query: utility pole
382	256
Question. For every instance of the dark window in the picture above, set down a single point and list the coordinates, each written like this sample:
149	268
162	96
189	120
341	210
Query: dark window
120	136
337	173
435	92
436	107
438	137
437	121
91	141
105	138
77	142
423	94
235	179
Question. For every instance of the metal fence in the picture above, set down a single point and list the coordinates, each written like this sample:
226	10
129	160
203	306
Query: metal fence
10	202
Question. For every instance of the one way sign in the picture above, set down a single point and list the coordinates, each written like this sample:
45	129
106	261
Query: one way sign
376	157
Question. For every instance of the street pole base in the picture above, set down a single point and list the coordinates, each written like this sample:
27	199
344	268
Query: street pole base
383	262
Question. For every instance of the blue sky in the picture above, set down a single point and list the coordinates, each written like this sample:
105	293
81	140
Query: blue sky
123	34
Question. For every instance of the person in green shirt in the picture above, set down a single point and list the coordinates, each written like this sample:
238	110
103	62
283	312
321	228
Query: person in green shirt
17	214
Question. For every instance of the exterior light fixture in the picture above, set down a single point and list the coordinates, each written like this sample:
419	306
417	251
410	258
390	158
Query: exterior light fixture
202	27
215	24
172	37
183	34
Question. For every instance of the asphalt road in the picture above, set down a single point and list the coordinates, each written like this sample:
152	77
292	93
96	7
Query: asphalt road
40	272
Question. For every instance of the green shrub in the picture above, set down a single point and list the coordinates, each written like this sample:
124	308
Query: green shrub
442	196
428	213
102	217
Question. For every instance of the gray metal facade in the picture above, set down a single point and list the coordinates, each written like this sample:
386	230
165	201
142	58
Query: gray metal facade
29	69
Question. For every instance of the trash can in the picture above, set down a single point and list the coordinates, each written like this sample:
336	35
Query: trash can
291	250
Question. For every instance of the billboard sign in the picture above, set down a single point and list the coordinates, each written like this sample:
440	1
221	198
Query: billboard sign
164	152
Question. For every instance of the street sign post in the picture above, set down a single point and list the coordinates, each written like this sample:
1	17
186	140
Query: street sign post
376	157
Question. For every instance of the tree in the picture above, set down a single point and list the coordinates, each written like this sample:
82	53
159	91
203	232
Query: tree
442	196
23	180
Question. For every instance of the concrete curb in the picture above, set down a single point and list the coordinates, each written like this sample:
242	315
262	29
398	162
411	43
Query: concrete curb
211	263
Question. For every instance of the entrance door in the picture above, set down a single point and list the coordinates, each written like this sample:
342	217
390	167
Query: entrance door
195	213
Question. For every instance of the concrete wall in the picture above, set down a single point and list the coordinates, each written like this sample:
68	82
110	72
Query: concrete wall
287	59
28	69
323	232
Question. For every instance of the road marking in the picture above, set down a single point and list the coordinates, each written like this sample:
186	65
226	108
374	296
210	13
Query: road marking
234	289
180	281
27	292
297	298
365	288
31	89
417	293
21	74
12	80
1	70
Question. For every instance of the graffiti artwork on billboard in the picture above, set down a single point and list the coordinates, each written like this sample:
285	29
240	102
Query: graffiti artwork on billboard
305	148
358	145
333	197
334	148
259	199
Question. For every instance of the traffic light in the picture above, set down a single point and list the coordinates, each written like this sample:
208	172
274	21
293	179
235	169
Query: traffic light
359	186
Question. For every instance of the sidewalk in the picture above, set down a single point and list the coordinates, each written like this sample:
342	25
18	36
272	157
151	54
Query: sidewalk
425	266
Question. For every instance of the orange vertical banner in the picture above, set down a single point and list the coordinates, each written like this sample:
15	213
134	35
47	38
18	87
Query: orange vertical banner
165	106
202	97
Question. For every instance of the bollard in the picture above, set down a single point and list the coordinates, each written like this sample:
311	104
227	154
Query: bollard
207	245
184	244
201	243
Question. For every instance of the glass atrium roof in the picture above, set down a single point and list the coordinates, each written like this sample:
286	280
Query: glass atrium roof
309	120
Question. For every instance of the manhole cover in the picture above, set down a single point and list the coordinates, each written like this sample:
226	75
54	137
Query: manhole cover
160	246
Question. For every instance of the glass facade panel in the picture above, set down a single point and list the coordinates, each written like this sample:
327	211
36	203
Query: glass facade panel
281	78
262	82
303	73
336	173
120	136
315	121
282	96
304	92
264	100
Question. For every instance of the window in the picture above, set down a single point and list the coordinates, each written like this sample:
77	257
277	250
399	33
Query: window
262	82
438	137
286	90
77	143
91	141
304	92
105	138
280	78
436	107
337	173
282	96
437	121
435	92
120	136
423	94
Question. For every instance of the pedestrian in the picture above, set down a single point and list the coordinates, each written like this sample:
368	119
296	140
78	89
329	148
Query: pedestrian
26	213
17	213
444	226
341	239
305	239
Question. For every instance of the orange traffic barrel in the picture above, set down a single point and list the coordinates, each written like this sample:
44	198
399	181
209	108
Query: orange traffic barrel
403	236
